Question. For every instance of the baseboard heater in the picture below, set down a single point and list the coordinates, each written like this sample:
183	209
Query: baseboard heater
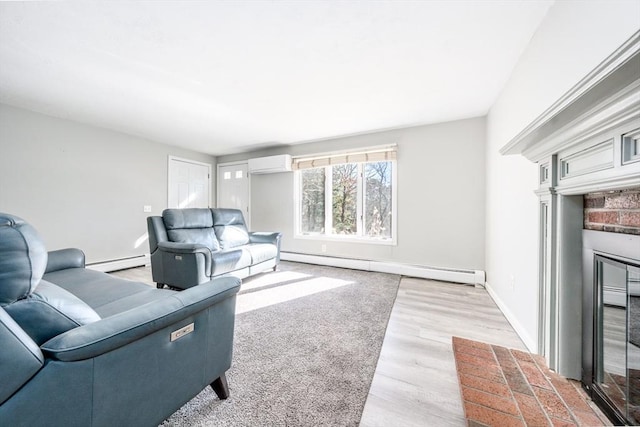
470	277
120	264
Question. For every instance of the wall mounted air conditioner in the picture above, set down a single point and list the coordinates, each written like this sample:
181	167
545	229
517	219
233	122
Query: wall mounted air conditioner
271	164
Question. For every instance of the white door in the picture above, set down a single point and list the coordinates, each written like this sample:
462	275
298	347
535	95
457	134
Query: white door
189	184
233	188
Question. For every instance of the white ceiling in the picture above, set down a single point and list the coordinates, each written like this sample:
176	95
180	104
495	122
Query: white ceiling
225	77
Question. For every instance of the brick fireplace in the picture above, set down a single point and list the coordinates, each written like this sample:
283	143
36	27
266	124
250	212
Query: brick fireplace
613	211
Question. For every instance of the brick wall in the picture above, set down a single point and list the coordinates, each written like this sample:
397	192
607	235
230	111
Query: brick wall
615	211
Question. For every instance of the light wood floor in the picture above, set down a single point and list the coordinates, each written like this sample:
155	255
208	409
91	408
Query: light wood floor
415	383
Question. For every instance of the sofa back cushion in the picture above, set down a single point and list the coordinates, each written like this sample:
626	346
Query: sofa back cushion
23	258
192	225
230	228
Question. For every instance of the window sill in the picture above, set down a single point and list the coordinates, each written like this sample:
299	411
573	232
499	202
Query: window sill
347	239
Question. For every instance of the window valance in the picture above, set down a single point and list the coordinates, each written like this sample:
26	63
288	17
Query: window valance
374	154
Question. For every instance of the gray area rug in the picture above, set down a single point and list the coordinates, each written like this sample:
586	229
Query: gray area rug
304	362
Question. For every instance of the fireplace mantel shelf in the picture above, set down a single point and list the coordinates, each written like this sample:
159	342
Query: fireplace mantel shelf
607	97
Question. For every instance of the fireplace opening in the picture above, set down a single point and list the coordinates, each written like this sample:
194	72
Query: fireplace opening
611	324
617	336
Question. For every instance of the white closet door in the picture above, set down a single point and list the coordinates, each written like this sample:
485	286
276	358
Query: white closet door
189	184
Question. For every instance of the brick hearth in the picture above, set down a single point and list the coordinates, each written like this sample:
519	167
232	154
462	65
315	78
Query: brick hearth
504	387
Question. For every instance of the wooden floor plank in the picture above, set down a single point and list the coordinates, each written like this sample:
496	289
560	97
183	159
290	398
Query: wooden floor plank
416	380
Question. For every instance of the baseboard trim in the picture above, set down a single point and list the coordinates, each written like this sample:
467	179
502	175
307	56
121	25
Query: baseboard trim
120	264
470	277
530	343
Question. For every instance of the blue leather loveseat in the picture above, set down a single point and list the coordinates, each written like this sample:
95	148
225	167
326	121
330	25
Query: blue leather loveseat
192	246
83	348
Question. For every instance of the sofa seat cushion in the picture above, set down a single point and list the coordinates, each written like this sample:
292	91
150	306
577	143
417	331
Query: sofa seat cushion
229	260
50	311
133	301
262	252
105	293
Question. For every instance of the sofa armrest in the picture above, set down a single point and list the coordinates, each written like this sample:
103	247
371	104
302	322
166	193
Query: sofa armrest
157	232
181	265
113	332
65	258
265	237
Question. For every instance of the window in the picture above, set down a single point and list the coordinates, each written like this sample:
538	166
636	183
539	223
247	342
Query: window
347	197
313	184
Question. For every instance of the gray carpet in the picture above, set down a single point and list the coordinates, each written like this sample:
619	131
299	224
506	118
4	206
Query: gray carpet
304	362
634	321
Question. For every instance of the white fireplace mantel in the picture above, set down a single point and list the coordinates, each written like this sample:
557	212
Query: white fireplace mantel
588	141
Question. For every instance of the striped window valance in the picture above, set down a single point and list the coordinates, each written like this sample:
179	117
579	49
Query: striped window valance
378	154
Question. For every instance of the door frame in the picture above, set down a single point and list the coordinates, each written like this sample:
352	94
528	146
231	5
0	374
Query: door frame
170	173
218	180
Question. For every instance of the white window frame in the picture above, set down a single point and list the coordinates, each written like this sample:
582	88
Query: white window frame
357	238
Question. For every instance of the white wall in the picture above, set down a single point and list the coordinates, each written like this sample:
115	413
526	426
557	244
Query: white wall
440	196
572	40
83	186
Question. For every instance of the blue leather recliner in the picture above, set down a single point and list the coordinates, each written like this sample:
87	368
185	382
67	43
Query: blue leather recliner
83	348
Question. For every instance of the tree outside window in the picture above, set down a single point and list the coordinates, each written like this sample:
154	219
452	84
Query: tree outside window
312	212
377	221
345	198
359	196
